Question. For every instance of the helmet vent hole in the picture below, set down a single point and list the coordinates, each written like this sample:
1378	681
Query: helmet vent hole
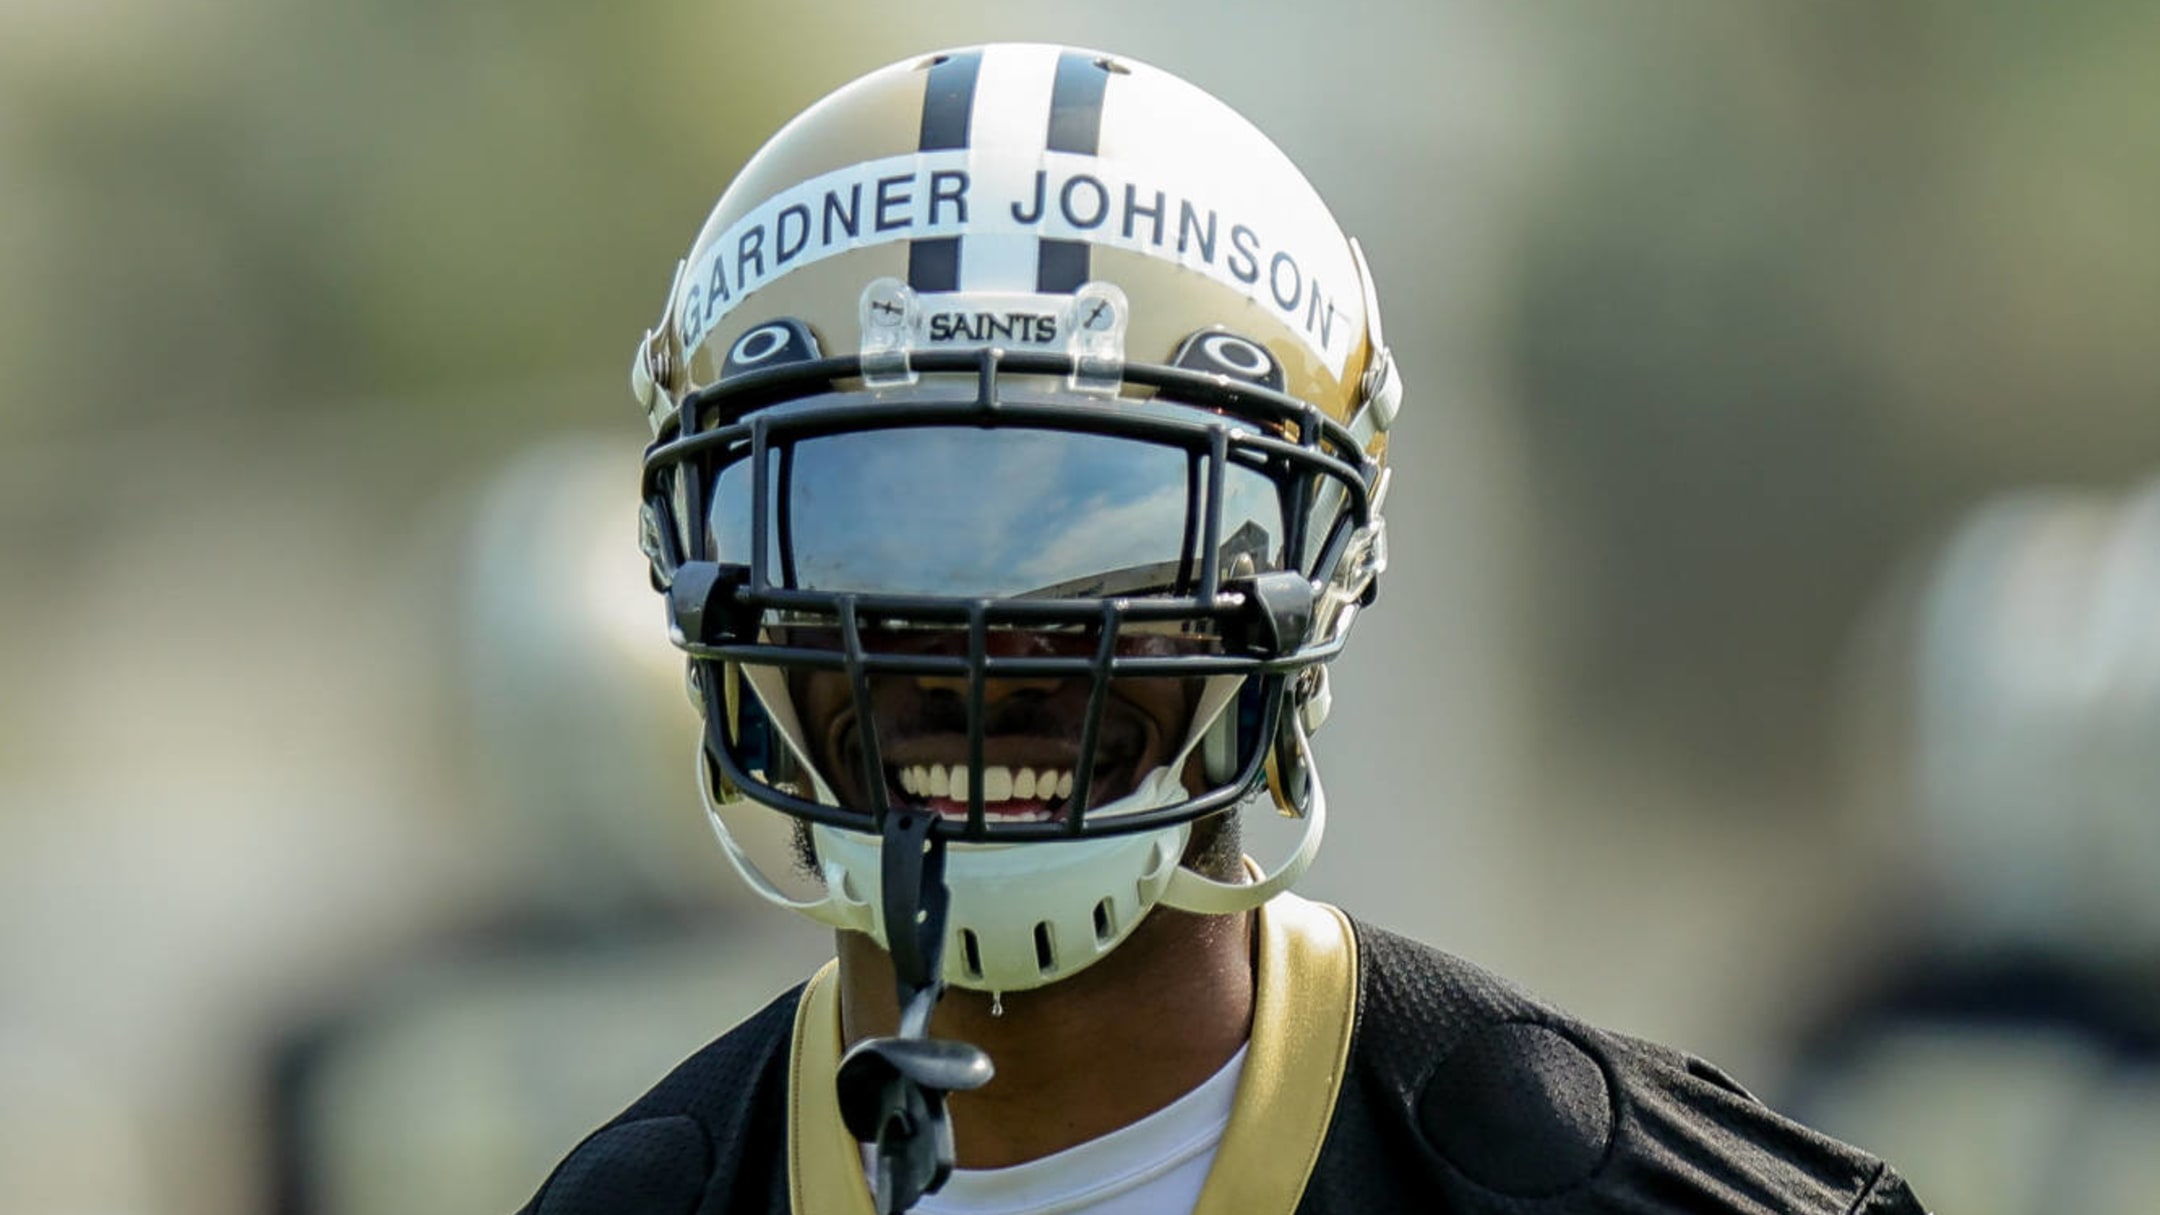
931	62
1105	924
1045	953
1112	66
971	953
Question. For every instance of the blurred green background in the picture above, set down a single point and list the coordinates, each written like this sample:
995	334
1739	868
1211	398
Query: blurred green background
349	859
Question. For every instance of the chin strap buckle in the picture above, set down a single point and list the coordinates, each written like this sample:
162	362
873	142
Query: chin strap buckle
892	1090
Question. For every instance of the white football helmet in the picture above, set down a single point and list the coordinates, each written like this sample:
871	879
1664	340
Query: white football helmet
2035	733
1007	392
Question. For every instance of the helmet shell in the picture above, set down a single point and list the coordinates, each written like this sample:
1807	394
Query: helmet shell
993	181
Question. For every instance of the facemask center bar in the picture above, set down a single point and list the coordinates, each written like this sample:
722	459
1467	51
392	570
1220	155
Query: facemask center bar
1098	698
873	763
978	690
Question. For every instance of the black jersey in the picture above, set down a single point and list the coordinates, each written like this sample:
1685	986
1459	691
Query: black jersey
1382	1076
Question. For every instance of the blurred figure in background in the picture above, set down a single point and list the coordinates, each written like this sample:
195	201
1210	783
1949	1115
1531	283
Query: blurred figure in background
2009	1056
443	1081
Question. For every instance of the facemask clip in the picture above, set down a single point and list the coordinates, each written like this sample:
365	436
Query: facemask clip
891	314
702	607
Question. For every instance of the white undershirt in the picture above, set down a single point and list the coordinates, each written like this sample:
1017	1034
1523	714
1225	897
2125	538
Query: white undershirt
1155	1166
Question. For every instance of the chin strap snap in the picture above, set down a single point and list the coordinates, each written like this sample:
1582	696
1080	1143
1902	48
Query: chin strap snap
892	1090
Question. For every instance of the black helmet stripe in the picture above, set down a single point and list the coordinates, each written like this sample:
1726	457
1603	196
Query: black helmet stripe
1061	266
947	109
933	264
1076	105
949	100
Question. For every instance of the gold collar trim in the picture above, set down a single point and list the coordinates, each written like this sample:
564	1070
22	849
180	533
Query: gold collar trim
1304	1008
825	1171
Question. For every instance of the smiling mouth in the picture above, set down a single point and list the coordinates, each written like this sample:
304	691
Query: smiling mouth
1027	757
1038	791
1022	780
1026	795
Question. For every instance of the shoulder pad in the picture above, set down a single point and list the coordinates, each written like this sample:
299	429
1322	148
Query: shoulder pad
1520	1108
1504	1100
654	1166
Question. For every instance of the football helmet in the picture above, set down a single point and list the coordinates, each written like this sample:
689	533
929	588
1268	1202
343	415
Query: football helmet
1019	384
2034	681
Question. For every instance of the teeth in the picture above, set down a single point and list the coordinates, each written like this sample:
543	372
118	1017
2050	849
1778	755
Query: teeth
999	782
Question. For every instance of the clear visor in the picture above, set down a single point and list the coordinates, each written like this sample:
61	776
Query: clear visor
999	513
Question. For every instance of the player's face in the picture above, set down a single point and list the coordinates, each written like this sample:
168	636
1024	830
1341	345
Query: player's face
1032	732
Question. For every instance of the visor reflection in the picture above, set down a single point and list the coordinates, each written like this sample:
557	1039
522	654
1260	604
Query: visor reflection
1134	641
1005	512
